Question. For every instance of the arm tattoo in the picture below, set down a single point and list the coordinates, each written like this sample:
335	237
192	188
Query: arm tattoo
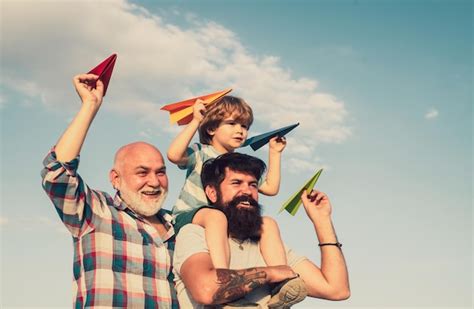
234	284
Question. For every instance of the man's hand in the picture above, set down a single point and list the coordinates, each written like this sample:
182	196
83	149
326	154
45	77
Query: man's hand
279	273
70	143
277	144
316	204
199	110
84	88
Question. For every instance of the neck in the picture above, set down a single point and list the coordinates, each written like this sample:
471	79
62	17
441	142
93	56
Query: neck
221	149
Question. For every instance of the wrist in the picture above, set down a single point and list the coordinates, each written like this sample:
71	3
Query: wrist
88	109
91	104
322	219
325	230
195	122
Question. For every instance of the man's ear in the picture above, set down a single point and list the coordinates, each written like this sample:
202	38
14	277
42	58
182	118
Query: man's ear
114	178
211	193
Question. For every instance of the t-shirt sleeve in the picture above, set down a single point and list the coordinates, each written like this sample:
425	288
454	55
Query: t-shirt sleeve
190	240
191	153
293	258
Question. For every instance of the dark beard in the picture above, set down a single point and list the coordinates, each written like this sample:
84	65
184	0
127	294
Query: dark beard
243	223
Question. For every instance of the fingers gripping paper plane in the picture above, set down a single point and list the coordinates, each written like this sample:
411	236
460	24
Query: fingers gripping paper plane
104	71
294	202
182	112
258	141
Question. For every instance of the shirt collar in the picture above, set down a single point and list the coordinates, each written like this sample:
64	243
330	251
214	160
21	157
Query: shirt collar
119	203
214	150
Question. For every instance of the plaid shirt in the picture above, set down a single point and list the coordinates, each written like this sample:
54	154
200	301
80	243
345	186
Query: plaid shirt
120	260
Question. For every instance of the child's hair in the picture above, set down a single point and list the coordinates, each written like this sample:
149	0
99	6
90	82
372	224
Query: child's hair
220	110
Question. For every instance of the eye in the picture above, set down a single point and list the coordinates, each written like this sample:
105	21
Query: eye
141	173
244	126
161	173
254	185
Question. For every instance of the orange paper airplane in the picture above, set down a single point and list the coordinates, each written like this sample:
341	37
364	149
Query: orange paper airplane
104	70
182	112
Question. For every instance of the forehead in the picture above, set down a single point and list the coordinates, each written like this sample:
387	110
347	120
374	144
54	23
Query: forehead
231	175
231	115
145	157
234	116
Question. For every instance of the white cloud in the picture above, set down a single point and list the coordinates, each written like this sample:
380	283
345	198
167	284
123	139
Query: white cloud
304	167
432	114
3	221
44	44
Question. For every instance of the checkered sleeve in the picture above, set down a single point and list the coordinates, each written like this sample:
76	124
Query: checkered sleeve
73	199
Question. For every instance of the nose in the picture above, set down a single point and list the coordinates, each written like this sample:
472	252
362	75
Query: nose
246	189
239	129
153	180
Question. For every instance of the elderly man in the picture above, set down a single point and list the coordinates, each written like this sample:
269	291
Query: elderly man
231	184
123	245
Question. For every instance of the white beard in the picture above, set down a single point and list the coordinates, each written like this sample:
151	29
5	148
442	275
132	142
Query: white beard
144	208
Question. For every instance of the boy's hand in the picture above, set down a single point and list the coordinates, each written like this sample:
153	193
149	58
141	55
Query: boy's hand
83	84
199	110
277	143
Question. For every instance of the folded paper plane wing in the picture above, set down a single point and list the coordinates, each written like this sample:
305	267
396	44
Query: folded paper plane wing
182	112
104	71
294	202
256	142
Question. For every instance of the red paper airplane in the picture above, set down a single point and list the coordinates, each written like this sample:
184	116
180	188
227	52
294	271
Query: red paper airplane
104	70
182	112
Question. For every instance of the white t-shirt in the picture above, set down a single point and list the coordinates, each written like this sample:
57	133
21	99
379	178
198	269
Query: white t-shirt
191	240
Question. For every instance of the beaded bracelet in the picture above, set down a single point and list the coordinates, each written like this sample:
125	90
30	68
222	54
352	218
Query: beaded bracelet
337	244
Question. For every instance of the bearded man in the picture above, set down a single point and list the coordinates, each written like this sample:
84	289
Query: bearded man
123	245
231	185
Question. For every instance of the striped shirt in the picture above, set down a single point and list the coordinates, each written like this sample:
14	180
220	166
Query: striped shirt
192	194
120	260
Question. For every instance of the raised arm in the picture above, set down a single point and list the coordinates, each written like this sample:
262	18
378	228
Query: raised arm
271	185
210	286
331	281
177	150
75	203
70	143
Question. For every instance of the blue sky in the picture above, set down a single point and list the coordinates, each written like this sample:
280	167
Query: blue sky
382	89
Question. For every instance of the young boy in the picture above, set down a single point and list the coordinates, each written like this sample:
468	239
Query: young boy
222	129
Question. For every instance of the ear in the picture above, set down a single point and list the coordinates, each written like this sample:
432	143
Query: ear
211	132
211	193
114	178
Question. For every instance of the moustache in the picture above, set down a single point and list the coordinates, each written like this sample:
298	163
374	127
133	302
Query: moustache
242	199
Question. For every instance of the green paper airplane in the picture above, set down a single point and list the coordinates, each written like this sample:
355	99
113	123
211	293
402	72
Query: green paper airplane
294	202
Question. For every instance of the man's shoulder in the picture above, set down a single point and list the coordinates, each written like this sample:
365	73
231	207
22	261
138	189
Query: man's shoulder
190	231
191	239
